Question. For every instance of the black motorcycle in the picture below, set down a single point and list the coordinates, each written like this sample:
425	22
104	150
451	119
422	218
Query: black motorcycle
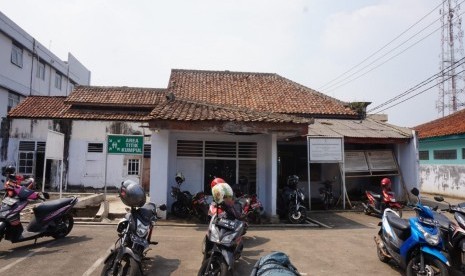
186	204
52	218
134	232
453	233
222	245
292	201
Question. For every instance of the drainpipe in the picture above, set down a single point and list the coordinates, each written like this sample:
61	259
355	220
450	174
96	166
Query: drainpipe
32	65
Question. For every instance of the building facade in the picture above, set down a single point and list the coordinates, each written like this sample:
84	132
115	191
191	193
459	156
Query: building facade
28	68
442	155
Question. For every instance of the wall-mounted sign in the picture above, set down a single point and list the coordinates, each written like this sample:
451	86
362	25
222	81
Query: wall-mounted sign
381	160
125	144
325	149
355	161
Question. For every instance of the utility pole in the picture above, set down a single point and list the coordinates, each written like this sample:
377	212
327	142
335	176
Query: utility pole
451	85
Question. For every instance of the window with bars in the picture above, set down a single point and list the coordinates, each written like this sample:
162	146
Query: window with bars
445	154
228	160
424	154
133	166
26	162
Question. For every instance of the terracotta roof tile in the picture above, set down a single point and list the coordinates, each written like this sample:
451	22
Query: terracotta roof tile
450	125
194	111
107	95
40	107
258	91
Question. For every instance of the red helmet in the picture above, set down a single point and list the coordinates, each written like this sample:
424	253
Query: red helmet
386	183
217	181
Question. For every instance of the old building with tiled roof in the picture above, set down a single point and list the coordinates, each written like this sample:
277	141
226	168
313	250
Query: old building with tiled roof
258	126
442	155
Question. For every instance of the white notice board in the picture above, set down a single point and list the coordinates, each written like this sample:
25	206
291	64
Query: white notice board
355	161
381	160
55	145
325	149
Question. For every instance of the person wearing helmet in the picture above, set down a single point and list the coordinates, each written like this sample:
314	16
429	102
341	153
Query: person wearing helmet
386	184
386	189
216	180
223	198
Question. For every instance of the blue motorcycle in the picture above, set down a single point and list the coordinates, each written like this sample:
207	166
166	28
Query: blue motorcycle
414	244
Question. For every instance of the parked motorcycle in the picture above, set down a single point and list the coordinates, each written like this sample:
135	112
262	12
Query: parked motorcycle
13	179
292	200
414	244
52	218
222	244
134	232
453	233
377	203
326	194
187	205
251	207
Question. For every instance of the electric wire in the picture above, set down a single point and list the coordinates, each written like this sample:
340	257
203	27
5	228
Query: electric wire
446	70
421	92
383	47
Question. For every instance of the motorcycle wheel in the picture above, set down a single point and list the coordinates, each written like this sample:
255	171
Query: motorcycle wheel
127	267
64	226
217	266
297	216
433	266
178	210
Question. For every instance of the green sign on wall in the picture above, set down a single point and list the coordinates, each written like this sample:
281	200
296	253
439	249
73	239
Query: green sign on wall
125	144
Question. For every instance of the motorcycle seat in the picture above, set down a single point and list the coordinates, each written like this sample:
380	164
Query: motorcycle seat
47	207
398	223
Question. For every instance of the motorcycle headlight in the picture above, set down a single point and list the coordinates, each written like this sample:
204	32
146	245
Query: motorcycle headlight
142	229
431	239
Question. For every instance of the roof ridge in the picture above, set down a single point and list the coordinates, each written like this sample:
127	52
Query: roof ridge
221	72
123	87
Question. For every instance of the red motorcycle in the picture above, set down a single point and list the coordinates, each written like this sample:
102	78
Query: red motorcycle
378	202
14	181
251	207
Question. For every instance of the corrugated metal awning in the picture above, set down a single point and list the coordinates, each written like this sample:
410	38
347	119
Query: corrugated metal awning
367	128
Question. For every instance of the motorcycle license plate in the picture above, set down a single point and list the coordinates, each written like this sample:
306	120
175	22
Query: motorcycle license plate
9	201
393	200
226	223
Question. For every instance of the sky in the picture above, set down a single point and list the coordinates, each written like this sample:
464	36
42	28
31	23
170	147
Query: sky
312	42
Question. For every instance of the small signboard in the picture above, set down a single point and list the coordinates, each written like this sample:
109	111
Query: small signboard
325	150
125	144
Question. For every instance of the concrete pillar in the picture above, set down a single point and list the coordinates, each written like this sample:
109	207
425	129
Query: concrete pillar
159	168
274	177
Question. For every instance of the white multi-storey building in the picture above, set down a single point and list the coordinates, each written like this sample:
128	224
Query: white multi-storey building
28	68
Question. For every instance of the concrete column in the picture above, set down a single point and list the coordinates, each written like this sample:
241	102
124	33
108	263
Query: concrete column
274	176
159	168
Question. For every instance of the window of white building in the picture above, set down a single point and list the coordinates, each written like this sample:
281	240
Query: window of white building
13	100
58	80
17	55
133	166
40	73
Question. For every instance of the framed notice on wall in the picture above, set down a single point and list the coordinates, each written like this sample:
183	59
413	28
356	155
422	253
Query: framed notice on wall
355	161
382	160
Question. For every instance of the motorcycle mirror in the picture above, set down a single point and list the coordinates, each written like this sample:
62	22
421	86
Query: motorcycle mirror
438	198
46	195
162	207
415	191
